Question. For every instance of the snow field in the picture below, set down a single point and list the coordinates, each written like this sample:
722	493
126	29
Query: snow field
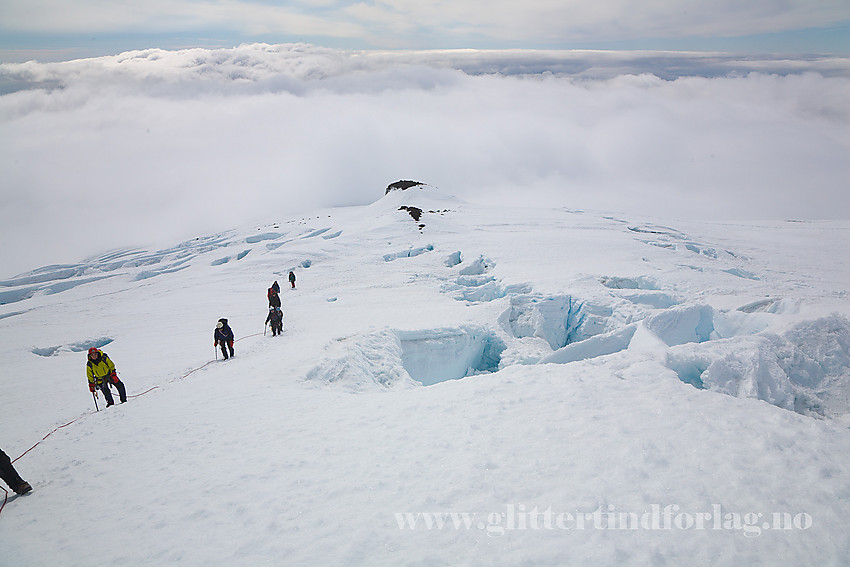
571	364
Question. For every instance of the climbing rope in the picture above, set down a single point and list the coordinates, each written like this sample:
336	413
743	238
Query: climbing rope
6	496
45	437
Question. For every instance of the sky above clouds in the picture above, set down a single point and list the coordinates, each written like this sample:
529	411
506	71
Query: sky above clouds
67	29
190	117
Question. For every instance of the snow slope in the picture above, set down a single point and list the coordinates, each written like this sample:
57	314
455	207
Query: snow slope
556	386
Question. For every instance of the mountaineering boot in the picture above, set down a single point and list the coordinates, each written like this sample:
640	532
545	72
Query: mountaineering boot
23	488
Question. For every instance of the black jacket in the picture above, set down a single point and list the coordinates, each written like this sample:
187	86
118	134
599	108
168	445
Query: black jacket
224	335
275	317
274	300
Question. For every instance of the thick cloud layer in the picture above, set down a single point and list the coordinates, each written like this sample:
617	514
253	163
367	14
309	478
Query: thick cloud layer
151	147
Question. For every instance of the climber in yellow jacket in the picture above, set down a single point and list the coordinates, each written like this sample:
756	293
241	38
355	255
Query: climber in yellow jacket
100	371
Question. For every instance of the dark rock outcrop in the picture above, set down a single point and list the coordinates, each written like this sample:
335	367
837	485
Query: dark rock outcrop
414	212
402	185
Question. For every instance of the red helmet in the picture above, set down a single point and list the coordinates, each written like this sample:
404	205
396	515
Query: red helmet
93	350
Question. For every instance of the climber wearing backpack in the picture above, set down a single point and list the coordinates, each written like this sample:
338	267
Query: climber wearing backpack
100	371
223	334
273	294
275	317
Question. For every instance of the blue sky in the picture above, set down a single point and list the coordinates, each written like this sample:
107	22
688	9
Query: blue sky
66	29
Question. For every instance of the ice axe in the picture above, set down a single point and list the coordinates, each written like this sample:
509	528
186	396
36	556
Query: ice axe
94	397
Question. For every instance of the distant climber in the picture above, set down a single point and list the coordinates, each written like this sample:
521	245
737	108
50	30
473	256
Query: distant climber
273	295
101	374
11	477
292	279
224	336
275	317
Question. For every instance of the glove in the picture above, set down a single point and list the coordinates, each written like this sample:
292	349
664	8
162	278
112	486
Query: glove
114	377
91	387
215	344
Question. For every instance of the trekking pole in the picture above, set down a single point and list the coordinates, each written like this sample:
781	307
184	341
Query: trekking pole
94	397
215	348
264	329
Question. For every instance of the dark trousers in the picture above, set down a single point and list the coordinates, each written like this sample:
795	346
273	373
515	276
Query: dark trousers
107	394
8	473
224	346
